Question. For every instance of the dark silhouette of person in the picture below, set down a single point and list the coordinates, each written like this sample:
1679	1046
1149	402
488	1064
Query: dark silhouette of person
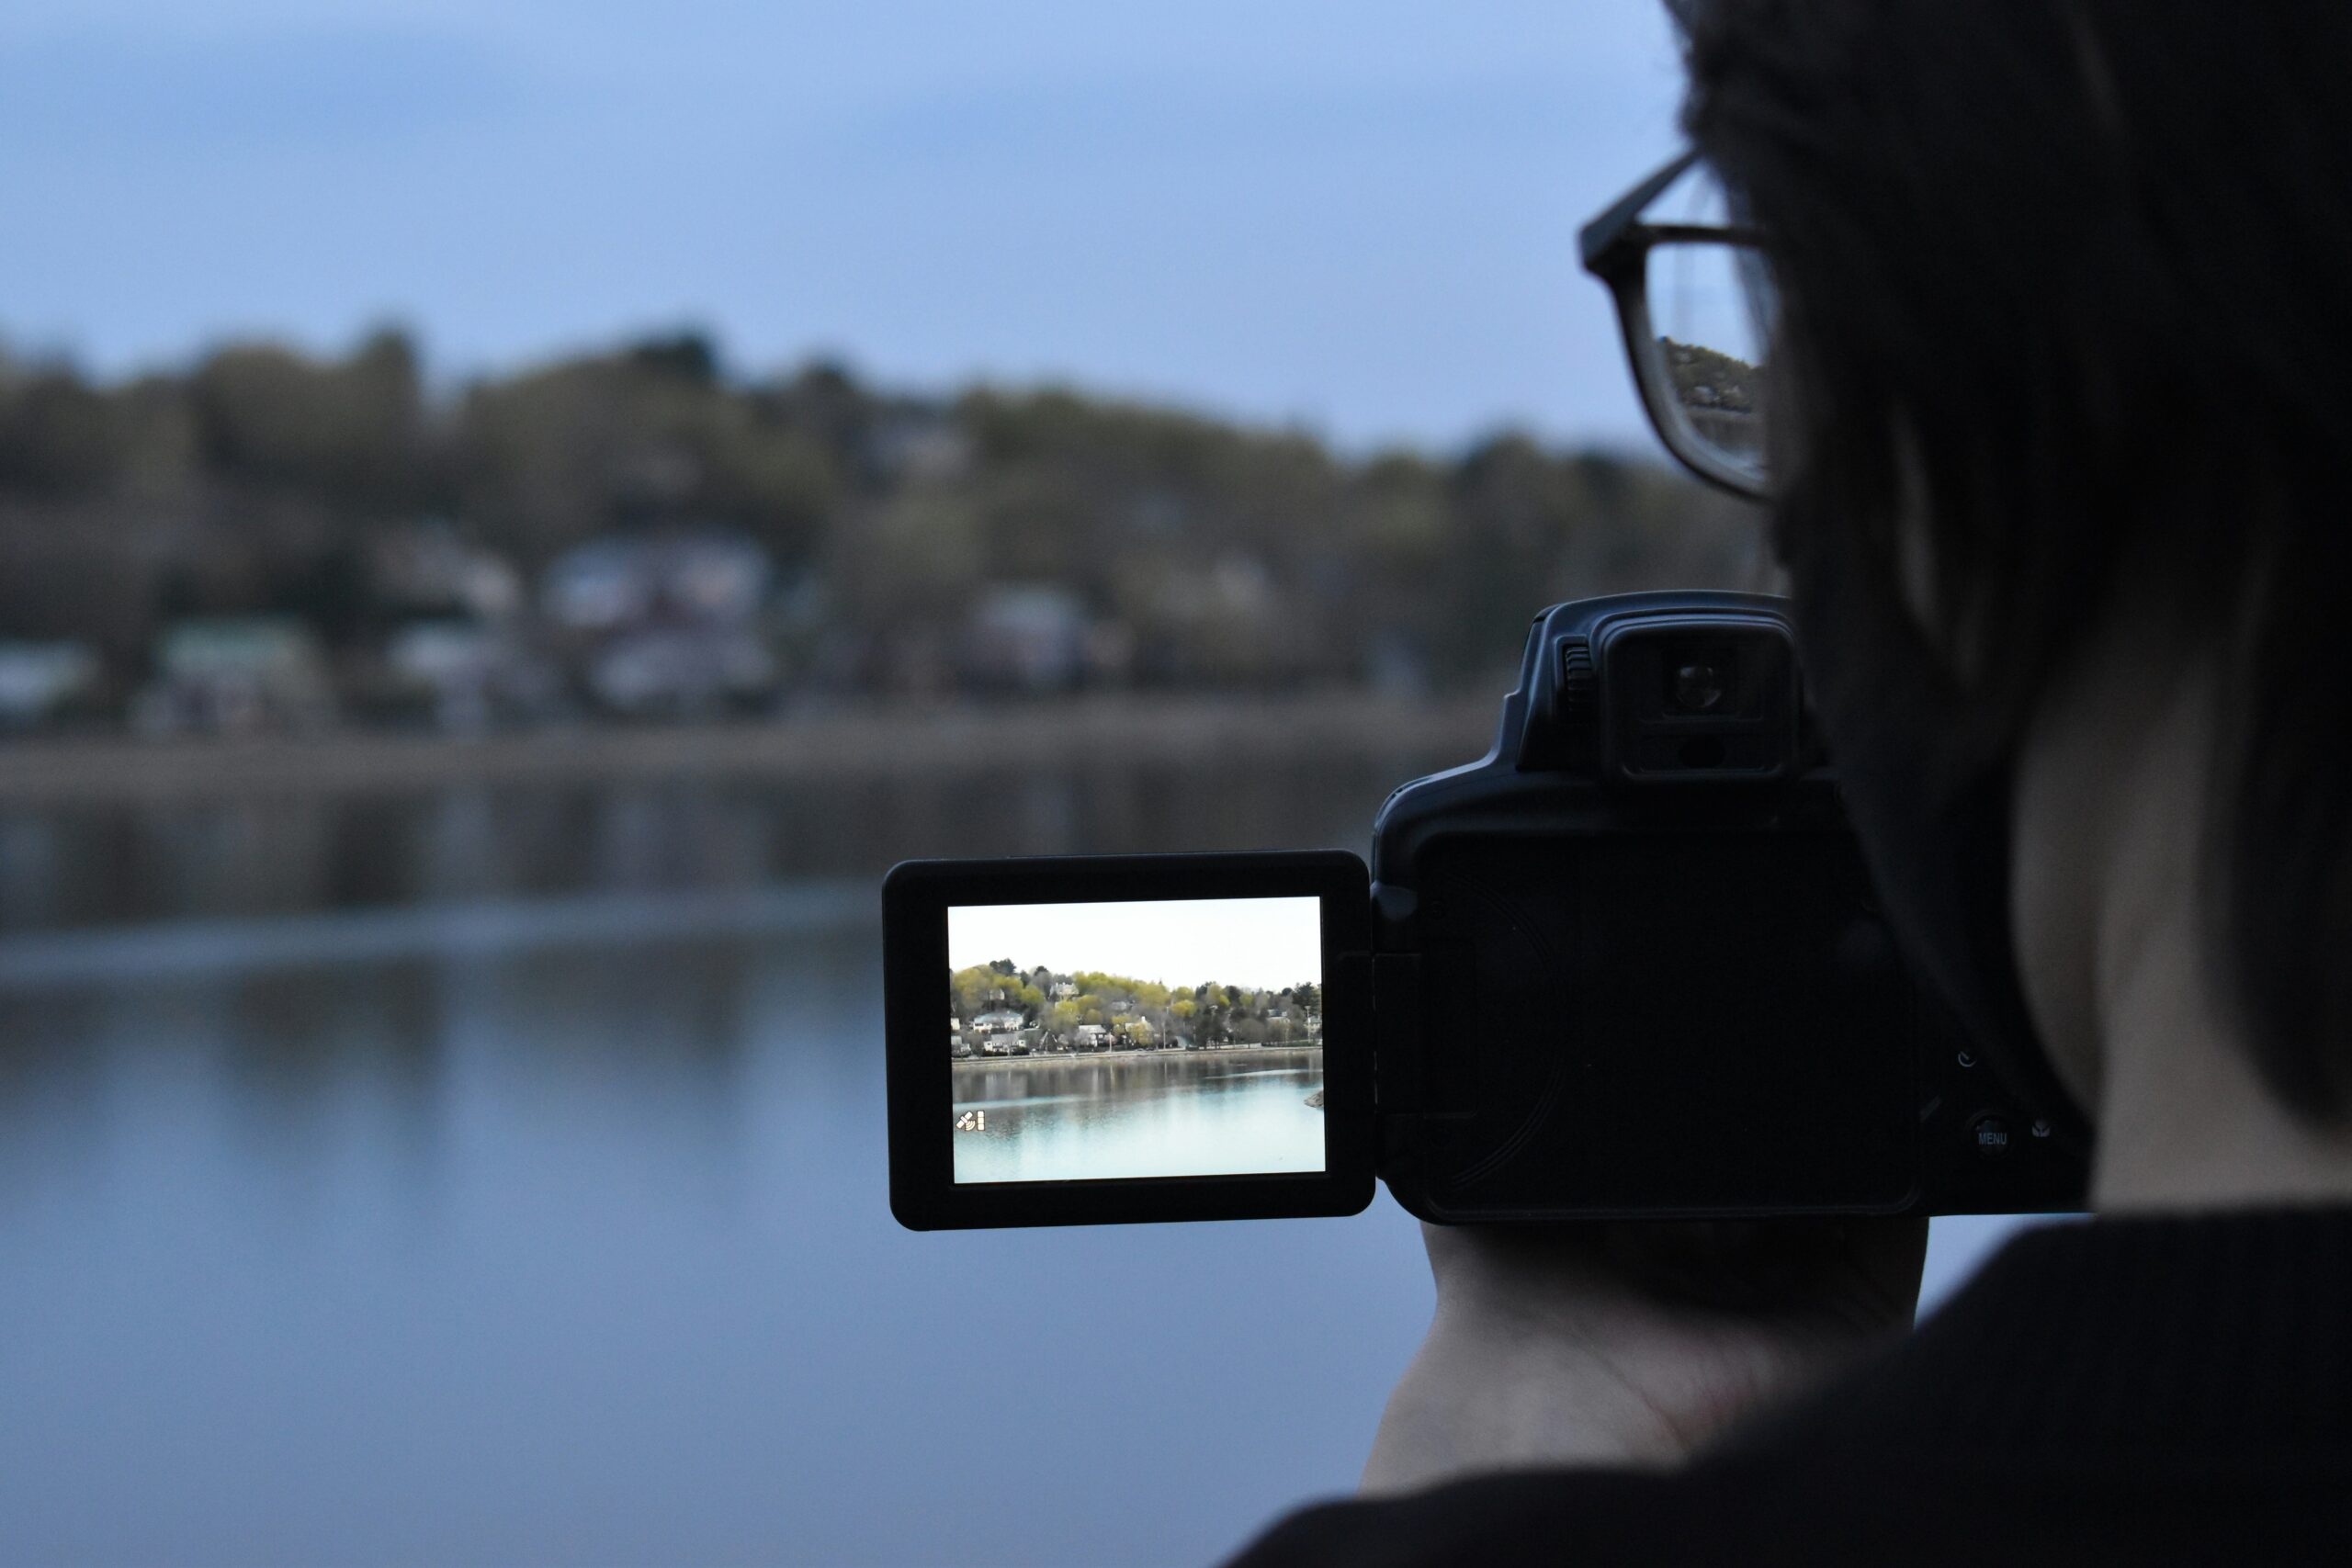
2059	309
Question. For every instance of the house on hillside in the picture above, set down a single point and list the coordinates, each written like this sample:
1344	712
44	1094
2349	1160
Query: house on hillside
40	681
464	675
1025	639
236	675
917	442
452	649
999	1033
428	572
665	624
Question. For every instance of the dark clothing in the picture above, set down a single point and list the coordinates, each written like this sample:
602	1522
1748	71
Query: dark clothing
2136	1390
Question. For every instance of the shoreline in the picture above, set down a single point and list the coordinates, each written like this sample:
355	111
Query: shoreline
1070	1058
849	744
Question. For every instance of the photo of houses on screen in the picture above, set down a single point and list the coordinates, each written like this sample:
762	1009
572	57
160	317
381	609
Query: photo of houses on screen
999	1010
1135	1039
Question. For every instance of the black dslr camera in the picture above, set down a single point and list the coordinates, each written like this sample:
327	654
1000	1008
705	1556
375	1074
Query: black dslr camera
1629	964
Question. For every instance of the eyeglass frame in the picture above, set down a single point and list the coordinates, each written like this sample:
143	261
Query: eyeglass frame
1615	248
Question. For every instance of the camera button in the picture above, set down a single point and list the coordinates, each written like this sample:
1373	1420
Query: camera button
1990	1135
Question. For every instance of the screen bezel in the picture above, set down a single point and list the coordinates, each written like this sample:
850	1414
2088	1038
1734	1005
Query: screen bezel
916	897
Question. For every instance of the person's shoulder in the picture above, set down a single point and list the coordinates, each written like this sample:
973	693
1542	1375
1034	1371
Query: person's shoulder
1803	1509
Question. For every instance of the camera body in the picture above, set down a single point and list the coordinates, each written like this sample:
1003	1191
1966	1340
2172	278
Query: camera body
1630	963
1627	965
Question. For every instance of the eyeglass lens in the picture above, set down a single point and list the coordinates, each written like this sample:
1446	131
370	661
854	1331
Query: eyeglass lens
1706	311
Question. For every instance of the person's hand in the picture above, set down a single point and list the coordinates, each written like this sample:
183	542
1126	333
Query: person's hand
1631	1343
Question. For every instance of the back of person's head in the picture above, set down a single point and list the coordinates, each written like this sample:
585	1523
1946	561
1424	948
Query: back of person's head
2065	321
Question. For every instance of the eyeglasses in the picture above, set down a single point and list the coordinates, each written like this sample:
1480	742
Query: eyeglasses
1695	303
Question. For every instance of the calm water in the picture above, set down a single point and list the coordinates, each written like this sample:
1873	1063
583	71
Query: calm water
74	866
1210	1113
469	1178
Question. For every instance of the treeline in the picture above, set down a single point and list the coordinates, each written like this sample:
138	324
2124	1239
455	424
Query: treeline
1036	539
1043	1006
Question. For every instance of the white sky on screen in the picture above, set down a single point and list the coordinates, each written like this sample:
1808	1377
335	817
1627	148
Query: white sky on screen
1264	944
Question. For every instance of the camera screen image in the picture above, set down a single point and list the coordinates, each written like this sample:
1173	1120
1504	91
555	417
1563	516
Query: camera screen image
1106	1041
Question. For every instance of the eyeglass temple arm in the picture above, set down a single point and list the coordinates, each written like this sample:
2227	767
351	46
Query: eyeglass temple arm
1596	239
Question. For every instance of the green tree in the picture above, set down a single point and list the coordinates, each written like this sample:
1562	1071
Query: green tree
972	989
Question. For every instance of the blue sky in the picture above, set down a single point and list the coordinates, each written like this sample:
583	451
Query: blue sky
1355	214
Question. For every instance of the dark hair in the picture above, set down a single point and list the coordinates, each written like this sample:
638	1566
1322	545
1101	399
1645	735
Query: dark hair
2067	285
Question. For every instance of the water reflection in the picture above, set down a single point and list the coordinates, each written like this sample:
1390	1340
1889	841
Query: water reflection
499	1177
1158	1113
82	865
582	1253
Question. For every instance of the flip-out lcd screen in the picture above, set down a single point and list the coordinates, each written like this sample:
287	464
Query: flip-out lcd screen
1128	1038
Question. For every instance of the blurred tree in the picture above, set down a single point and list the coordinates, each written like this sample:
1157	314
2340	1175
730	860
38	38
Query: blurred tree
348	436
1180	550
690	356
58	436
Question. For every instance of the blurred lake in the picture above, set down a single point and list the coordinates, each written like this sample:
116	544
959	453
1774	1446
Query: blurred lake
496	1174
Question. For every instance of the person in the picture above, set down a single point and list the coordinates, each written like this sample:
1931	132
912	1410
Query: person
2060	304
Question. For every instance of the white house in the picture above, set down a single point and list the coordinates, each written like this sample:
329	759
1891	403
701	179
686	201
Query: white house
237	675
666	623
36	679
